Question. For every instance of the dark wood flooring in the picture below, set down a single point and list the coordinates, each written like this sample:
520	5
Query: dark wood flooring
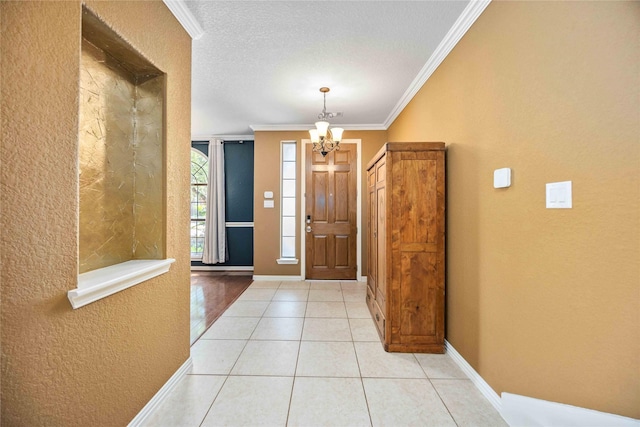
211	294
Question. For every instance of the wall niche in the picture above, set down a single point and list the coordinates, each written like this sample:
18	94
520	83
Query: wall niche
121	140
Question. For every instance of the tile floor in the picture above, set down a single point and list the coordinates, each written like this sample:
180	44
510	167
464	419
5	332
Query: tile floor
308	354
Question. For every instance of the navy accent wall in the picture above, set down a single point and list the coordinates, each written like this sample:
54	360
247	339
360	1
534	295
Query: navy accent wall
238	169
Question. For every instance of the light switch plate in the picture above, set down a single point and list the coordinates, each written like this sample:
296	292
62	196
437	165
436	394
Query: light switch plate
559	195
502	178
268	203
268	194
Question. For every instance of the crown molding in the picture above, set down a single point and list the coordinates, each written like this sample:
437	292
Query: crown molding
306	127
459	29
208	136
185	17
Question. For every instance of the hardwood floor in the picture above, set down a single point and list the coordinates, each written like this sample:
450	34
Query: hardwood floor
211	294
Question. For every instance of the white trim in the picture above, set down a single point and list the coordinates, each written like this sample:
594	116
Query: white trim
208	136
303	187
475	378
526	411
306	127
221	268
101	283
162	394
185	18
270	278
287	260
459	29
238	224
282	198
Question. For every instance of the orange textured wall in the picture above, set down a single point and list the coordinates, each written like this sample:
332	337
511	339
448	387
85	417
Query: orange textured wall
543	303
267	178
100	364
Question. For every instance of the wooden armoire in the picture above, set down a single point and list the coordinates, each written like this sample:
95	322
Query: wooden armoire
405	279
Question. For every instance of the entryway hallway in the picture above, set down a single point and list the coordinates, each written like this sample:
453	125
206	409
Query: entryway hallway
308	354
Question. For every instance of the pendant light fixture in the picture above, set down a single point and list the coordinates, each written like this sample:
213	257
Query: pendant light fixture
324	139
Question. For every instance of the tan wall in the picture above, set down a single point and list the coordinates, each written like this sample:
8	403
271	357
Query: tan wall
267	178
543	303
100	364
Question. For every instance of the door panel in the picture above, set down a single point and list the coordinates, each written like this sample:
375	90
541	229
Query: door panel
342	251
330	200
320	183
372	224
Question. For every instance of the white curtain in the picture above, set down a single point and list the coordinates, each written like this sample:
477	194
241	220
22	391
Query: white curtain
215	238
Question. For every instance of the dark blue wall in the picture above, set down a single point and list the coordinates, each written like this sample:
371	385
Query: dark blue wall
238	170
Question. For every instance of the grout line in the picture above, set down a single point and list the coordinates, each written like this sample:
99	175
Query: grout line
293	383
213	401
443	402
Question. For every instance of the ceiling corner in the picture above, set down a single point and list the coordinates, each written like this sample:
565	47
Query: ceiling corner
473	10
185	17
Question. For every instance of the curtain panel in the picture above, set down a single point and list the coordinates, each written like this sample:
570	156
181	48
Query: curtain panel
215	238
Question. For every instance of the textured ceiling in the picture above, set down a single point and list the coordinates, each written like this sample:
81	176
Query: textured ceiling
262	62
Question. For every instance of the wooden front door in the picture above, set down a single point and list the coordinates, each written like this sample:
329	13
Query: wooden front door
330	217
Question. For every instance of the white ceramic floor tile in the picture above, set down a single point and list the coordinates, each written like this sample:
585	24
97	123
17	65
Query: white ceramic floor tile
257	295
354	295
364	330
353	285
325	285
328	402
291	295
439	366
326	309
277	358
286	309
278	328
325	295
405	402
326	329
376	363
264	284
358	310
294	285
466	404
246	309
188	402
251	401
215	357
231	328
327	359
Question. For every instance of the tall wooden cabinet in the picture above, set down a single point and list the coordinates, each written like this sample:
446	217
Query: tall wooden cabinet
405	279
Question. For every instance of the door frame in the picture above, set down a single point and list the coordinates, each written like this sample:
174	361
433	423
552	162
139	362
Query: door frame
303	186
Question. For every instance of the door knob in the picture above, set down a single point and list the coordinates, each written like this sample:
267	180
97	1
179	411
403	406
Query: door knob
308	229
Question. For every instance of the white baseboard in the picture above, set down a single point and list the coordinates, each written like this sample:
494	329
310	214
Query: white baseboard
226	268
269	278
522	411
475	377
526	411
162	394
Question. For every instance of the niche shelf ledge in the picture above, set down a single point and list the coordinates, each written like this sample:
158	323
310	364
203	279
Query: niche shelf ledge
100	283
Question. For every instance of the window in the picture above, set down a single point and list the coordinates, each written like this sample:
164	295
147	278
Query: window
288	207
199	181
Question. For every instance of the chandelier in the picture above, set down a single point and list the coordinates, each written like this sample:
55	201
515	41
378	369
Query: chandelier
324	139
